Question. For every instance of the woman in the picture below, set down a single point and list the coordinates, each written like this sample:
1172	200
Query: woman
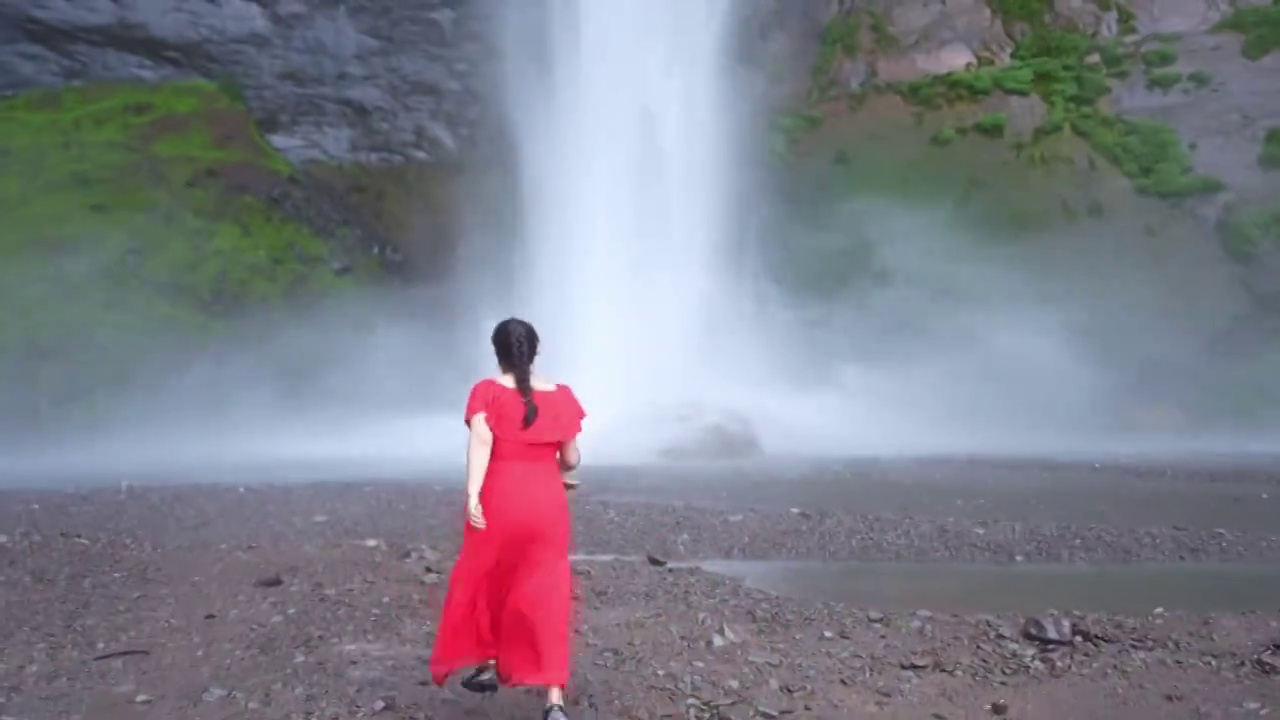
507	610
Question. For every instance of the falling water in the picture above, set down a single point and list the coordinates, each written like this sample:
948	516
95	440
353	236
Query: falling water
625	134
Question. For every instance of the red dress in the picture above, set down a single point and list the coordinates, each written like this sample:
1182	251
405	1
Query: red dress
509	593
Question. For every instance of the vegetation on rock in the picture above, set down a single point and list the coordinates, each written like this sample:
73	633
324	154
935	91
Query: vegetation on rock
839	39
1200	78
133	209
842	38
1161	56
1269	157
787	129
1260	27
1164	80
1244	231
1068	71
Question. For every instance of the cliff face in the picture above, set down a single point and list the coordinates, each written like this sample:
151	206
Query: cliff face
366	81
339	80
1178	95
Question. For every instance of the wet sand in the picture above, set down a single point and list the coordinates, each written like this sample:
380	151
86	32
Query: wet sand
318	600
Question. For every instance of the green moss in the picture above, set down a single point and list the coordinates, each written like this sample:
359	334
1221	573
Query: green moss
788	129
839	39
1164	80
1113	56
1151	154
1269	157
130	210
1243	232
881	34
1057	67
1260	27
1031	12
1128	21
992	125
842	37
1200	78
944	137
1161	56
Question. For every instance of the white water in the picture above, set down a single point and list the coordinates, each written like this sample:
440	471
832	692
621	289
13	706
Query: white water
623	120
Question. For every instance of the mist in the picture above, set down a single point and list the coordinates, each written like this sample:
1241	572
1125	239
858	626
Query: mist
675	287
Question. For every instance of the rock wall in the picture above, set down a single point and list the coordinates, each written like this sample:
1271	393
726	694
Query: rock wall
336	80
367	81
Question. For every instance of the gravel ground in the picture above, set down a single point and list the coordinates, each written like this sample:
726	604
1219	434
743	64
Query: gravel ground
318	601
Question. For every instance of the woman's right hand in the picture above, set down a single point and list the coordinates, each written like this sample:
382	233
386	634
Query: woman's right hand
475	513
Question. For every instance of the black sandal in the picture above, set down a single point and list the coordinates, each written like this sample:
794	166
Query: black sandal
483	680
554	712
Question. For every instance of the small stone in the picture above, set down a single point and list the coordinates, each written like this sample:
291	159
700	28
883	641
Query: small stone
142	699
213	693
999	708
916	663
656	561
269	581
875	616
766	712
1048	630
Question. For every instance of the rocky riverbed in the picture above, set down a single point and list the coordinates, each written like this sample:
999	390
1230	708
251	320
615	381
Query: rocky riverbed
318	601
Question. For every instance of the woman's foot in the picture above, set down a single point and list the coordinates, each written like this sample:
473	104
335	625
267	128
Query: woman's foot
554	712
483	679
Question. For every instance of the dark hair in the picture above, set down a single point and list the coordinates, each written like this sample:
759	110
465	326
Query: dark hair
515	343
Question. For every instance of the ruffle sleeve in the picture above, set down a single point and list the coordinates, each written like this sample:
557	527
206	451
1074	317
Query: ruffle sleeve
478	401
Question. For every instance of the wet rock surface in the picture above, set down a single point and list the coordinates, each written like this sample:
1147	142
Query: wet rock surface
320	600
370	80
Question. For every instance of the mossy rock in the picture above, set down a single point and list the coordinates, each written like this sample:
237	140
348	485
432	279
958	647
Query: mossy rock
133	212
413	205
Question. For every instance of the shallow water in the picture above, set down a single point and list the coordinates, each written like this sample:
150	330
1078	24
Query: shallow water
1014	588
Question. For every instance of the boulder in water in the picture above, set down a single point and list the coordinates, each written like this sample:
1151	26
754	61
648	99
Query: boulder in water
711	436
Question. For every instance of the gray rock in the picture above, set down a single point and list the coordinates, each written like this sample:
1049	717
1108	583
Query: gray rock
369	80
1048	630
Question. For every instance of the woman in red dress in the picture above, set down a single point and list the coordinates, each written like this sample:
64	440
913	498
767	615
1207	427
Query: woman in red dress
507	609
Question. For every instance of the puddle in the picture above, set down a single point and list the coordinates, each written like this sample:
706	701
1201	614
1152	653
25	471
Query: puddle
1022	588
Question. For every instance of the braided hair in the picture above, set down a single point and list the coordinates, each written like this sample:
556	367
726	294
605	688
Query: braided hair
515	343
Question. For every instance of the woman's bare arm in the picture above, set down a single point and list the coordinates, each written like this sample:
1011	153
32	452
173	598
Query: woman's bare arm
569	456
479	447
